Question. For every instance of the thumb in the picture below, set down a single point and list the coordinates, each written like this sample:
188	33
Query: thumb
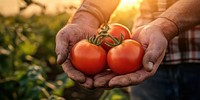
61	48
147	63
152	54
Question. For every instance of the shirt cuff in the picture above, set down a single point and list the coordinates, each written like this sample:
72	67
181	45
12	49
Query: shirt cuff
93	10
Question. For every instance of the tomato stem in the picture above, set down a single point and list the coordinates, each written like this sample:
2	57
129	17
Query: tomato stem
115	40
104	29
96	40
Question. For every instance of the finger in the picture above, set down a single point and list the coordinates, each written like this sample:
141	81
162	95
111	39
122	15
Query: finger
129	79
153	52
136	32
72	72
106	72
158	62
88	83
103	80
61	47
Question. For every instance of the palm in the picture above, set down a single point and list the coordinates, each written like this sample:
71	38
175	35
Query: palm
155	47
66	38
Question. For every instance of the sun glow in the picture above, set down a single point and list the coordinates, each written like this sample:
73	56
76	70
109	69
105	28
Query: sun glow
128	4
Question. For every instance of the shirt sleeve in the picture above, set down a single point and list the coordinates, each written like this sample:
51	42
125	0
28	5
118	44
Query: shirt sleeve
101	9
145	16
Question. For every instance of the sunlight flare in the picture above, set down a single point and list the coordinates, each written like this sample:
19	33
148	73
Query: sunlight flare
128	4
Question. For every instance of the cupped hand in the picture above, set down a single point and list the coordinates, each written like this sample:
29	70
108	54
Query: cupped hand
154	43
66	38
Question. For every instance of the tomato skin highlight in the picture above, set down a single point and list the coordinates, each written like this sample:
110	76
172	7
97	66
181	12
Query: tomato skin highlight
88	58
116	30
126	57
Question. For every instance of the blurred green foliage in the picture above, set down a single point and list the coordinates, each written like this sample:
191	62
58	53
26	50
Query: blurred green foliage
115	94
28	68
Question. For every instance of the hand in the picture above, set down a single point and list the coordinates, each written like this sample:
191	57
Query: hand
154	42
65	39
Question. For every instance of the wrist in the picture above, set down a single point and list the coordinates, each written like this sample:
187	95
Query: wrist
85	18
168	26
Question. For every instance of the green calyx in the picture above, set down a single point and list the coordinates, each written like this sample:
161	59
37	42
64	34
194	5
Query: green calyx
104	29
115	40
98	39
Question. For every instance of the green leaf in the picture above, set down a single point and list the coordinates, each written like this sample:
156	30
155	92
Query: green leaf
116	97
28	48
114	94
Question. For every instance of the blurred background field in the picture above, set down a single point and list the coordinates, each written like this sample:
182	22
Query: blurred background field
28	69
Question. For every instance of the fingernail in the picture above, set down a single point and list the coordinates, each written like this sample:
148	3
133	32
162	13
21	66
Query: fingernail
150	66
59	59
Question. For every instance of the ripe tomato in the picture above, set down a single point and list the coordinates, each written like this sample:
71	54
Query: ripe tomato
126	57
88	58
116	30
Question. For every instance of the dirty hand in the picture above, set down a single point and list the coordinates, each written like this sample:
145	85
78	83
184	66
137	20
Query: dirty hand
154	43
66	38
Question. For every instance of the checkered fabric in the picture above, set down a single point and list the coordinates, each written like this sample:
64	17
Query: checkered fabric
184	48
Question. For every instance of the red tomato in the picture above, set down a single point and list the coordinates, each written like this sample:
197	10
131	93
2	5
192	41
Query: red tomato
115	30
88	58
126	57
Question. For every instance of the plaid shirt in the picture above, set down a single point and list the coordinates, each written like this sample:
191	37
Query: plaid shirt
184	48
